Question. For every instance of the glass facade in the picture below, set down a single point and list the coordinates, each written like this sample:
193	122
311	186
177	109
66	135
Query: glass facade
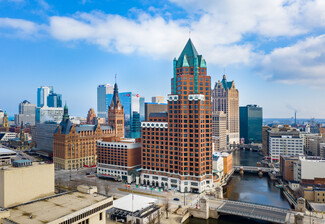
42	93
54	100
131	103
251	119
102	91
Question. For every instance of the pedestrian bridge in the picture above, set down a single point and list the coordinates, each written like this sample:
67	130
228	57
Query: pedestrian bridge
251	210
255	169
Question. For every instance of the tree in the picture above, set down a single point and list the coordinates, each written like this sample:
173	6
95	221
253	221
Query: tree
167	207
107	188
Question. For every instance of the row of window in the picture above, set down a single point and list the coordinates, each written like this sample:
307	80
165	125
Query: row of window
88	213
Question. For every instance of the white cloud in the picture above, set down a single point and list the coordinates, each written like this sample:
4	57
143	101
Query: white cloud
24	27
219	29
301	63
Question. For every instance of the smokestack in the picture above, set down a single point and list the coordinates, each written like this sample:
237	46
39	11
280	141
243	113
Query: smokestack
295	117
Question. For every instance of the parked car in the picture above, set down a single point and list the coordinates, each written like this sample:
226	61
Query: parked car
176	199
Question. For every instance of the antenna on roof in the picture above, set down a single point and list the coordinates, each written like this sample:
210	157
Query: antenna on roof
115	78
189	33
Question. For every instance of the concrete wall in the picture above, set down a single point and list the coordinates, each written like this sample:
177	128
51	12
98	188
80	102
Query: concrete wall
23	184
311	169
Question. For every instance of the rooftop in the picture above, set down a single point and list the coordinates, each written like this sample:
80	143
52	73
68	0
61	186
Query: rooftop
51	208
6	151
139	202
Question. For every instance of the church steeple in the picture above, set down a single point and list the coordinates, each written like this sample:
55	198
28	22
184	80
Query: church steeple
116	103
5	120
116	114
65	113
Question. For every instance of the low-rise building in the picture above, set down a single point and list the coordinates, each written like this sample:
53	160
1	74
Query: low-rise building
135	208
84	206
287	164
310	170
24	181
315	194
217	166
6	155
118	158
6	136
227	162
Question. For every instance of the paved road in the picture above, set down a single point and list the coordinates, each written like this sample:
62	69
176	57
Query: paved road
80	176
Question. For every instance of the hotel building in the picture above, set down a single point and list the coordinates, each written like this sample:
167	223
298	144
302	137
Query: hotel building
177	147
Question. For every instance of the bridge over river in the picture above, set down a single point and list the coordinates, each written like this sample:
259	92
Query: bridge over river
251	210
255	169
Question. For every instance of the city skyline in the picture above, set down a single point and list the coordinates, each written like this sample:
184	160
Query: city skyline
280	54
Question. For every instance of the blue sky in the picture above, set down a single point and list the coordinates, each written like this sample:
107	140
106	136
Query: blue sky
273	49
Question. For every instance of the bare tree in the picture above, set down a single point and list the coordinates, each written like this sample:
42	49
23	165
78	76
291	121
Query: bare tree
158	216
167	207
107	188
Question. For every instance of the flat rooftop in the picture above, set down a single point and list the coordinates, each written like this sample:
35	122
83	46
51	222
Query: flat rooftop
6	151
52	208
138	203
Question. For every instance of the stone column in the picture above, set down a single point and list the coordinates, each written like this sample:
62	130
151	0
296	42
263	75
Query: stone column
219	192
301	205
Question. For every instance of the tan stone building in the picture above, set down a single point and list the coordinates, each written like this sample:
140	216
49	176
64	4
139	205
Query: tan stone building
219	131
225	97
84	206
157	99
24	181
91	116
314	194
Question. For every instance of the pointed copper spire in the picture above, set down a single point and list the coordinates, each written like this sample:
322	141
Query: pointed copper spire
116	99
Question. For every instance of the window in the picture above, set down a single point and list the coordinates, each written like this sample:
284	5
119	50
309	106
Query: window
101	216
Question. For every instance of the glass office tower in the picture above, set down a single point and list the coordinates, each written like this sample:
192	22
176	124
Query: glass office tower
251	121
102	91
131	103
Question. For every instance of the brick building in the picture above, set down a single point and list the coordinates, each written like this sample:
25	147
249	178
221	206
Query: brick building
118	158
177	148
74	146
287	164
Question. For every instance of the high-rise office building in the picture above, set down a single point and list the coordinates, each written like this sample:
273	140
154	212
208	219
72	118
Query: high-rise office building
142	109
177	151
42	94
26	113
219	131
43	114
131	102
154	108
225	97
157	99
54	100
102	91
251	121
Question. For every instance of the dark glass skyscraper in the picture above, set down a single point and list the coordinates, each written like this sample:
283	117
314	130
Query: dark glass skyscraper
251	119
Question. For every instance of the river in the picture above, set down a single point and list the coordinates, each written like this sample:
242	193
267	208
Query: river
248	188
